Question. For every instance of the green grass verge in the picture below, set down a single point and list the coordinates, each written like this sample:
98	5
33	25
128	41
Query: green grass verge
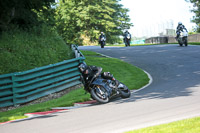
183	126
194	43
132	76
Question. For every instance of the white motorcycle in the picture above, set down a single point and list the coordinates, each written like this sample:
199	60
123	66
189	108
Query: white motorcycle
182	39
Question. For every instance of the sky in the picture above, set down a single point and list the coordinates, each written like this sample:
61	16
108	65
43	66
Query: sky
151	17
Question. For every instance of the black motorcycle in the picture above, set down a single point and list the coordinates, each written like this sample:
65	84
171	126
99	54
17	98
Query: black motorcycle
104	87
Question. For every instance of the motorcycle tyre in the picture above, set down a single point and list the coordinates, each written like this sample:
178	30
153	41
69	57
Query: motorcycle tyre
180	42
92	97
96	97
128	42
186	42
125	93
102	44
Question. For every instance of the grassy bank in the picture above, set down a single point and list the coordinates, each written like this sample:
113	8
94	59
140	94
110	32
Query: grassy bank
132	76
23	50
183	126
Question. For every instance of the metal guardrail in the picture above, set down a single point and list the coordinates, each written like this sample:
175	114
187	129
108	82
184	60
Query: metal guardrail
22	87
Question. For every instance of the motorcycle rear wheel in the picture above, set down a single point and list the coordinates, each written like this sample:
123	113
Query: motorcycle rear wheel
180	41
124	91
100	94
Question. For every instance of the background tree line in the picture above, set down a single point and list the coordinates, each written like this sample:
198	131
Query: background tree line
196	10
77	21
21	13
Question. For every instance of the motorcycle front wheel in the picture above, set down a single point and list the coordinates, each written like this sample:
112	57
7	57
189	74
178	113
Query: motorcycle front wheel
100	94
124	91
128	41
180	43
102	44
126	44
186	42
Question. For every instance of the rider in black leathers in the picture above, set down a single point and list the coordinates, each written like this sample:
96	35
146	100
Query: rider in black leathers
179	28
102	36
90	72
127	37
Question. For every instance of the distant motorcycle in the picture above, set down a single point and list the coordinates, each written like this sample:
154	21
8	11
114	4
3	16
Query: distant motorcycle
127	40
103	42
103	87
183	38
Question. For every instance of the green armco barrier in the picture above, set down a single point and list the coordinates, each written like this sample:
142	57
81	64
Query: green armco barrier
22	87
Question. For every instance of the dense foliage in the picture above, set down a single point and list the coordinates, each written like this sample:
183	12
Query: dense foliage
196	10
75	20
21	13
87	18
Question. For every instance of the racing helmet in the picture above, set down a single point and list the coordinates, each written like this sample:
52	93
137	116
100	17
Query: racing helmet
82	67
179	23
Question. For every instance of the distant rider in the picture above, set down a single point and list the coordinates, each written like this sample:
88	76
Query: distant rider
102	36
127	38
180	28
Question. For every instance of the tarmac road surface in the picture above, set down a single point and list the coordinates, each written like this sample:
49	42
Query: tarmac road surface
173	95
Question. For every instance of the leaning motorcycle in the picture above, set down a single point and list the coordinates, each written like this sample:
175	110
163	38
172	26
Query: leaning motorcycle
183	38
103	42
104	87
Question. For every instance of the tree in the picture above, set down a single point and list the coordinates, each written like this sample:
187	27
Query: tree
87	18
20	12
196	10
